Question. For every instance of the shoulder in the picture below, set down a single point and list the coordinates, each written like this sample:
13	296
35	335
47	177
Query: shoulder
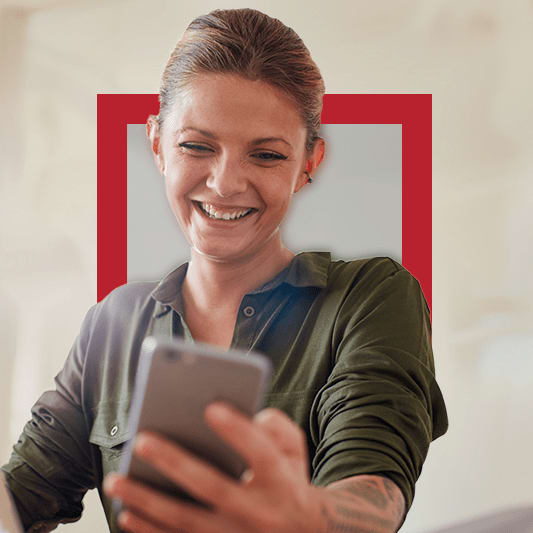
376	287
121	311
368	274
130	296
377	267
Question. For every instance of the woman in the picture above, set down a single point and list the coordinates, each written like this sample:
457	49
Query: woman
354	403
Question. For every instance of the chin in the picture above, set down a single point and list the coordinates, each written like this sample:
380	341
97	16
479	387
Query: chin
228	251
218	255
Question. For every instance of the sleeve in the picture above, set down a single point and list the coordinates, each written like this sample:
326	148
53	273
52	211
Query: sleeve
51	466
381	405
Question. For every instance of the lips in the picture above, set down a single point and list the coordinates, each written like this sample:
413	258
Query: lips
223	213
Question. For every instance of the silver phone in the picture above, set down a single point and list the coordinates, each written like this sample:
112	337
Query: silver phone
175	382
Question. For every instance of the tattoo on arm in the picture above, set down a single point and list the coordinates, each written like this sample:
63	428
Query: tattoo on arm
363	504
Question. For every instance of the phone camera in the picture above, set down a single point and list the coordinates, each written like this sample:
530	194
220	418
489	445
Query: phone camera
171	355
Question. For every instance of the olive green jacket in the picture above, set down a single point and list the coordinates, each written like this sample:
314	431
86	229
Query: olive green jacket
353	366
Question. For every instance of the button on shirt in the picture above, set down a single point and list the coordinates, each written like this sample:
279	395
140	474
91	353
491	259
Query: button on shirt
350	347
249	311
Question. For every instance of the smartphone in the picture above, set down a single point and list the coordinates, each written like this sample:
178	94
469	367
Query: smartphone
175	382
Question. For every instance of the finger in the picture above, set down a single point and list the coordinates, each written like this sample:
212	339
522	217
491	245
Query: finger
245	437
154	507
201	480
287	435
129	521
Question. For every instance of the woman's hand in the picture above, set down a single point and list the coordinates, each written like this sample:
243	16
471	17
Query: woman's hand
274	494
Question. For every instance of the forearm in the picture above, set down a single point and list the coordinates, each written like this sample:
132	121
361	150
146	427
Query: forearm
361	504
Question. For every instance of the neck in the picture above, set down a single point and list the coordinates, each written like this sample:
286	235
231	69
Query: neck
213	284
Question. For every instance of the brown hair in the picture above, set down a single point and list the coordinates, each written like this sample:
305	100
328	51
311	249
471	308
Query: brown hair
253	45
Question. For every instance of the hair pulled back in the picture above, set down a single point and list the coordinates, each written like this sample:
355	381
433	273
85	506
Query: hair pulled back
253	45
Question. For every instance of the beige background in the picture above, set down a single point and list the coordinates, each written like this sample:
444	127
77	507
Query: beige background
474	56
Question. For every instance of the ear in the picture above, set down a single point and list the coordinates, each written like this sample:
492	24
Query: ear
152	132
312	162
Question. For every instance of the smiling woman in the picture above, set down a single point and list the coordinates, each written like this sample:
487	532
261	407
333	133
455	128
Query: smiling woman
354	403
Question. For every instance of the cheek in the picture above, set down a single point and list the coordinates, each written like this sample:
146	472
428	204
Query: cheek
180	180
176	198
279	193
171	189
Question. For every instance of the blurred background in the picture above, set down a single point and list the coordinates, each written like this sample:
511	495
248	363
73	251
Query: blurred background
474	56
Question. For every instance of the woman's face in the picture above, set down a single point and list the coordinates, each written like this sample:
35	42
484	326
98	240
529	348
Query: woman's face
232	152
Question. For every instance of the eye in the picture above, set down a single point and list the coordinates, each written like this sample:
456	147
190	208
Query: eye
194	147
269	156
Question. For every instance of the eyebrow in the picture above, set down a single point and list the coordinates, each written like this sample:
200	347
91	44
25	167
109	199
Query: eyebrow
211	135
203	132
255	142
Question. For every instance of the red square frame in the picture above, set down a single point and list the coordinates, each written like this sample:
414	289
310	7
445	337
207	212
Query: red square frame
412	111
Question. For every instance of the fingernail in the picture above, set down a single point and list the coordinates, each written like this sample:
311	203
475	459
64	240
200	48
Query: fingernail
143	444
110	482
122	518
218	412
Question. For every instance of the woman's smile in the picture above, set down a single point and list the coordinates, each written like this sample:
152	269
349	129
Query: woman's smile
225	213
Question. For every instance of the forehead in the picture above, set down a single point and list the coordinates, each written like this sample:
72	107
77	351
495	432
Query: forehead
228	104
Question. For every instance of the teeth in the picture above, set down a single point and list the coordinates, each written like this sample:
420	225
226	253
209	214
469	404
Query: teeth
220	215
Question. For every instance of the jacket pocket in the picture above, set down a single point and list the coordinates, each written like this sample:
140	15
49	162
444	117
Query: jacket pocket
110	432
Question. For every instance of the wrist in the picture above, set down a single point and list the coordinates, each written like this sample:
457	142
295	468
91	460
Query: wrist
320	501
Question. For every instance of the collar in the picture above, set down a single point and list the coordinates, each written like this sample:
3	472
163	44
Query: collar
307	269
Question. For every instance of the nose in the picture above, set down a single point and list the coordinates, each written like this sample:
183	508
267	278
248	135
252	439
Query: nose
228	177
